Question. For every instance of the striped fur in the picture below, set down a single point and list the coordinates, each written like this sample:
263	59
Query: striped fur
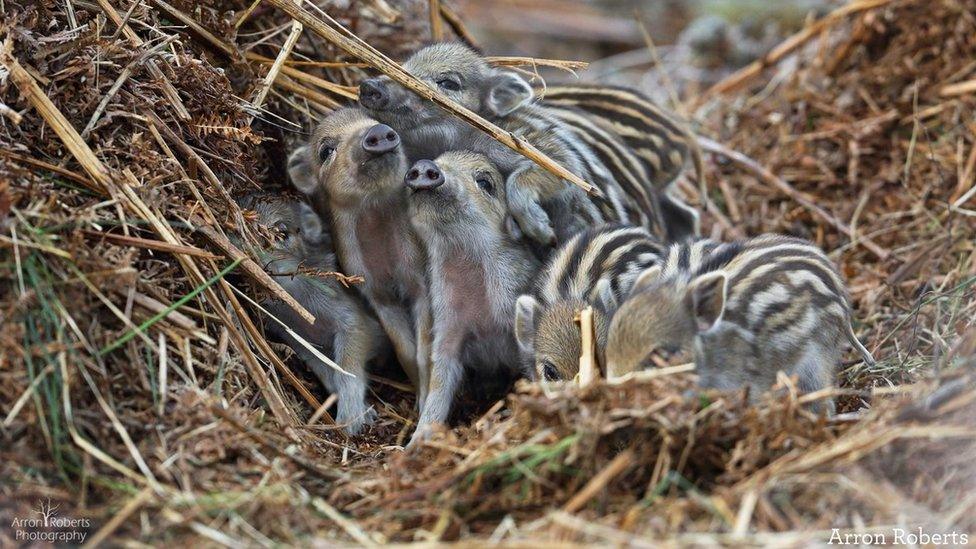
626	172
597	267
654	146
662	144
593	155
748	309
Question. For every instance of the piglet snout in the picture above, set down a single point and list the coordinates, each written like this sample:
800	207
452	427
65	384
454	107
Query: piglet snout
380	139
424	176
374	94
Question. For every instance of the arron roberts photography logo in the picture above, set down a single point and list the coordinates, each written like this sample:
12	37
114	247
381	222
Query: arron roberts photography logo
45	525
917	537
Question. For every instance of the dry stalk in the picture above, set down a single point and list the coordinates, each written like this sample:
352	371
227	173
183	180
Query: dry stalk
208	174
319	100
436	24
259	341
168	90
254	270
458	26
275	401
345	91
175	317
588	370
509	61
100	179
47	166
198	29
11	114
274	448
123	76
599	481
265	86
153	244
118	518
961	88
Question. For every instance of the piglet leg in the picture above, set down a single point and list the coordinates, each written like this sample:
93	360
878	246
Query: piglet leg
353	349
445	378
399	328
425	334
523	203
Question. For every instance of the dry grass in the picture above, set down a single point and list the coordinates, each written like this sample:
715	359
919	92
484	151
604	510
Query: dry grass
136	388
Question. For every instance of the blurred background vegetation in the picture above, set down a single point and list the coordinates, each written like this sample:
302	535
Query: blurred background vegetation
698	41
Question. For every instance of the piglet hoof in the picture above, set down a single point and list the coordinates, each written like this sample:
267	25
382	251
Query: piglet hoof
539	230
422	434
354	420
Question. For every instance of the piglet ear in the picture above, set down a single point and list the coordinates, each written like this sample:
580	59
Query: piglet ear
603	295
301	170
508	93
526	311
646	279
311	224
513	229
706	299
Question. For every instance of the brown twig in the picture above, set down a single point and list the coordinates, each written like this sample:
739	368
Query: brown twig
276	66
458	26
262	345
320	100
348	92
76	177
509	61
599	481
250	433
198	29
192	156
11	114
123	76
255	271
436	24
152	244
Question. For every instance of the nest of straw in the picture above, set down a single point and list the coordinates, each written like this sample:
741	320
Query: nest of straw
137	389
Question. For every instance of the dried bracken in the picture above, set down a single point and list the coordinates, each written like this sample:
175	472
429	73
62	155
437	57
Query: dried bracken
137	389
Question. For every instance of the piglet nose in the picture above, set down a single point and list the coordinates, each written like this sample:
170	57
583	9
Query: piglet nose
424	176
373	94
380	139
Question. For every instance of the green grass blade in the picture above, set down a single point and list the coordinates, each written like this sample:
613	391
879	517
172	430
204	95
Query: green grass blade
178	303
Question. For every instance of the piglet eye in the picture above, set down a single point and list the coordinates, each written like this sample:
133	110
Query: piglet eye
549	371
325	151
448	84
486	185
281	228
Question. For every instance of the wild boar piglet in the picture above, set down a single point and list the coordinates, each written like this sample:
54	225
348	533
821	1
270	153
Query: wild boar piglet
595	268
614	137
476	268
352	170
343	329
746	309
547	208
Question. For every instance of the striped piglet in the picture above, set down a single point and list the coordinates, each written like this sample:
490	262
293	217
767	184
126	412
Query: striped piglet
747	309
596	267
